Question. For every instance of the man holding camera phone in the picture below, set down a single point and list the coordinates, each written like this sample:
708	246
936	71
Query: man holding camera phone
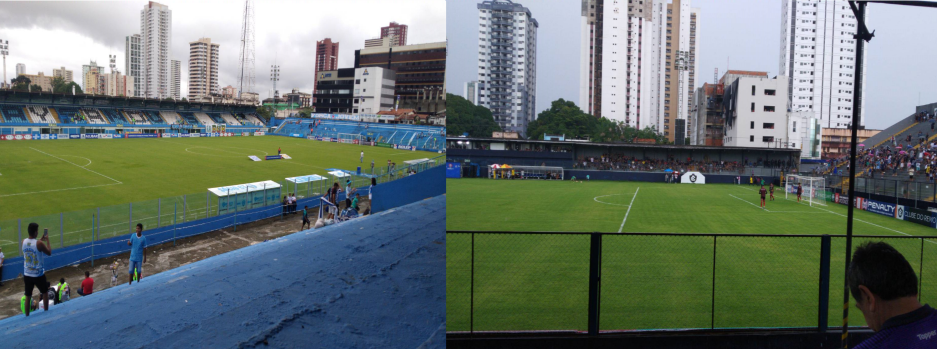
33	270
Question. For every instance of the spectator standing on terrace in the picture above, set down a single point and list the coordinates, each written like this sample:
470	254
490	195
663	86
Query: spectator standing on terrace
305	218
87	285
34	274
885	289
137	245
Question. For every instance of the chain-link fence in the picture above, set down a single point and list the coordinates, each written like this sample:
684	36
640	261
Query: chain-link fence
606	282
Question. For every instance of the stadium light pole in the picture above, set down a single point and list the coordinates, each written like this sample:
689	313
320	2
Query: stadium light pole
4	51
862	35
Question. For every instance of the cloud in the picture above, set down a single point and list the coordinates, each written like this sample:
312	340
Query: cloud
46	35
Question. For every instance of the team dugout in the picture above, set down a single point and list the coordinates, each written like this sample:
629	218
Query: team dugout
481	153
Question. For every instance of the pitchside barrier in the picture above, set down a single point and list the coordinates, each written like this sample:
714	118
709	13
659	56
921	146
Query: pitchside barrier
594	283
87	235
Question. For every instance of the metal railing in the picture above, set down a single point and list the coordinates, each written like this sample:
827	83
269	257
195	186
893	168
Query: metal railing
608	282
905	189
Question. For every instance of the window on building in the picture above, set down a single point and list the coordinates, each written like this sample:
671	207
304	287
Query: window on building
753	91
768	125
753	125
767	139
769	92
751	139
753	109
769	108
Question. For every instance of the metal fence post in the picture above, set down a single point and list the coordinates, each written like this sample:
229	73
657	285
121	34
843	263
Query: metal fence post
920	273
19	230
159	212
595	259
713	300
61	230
472	289
130	218
206	204
184	207
824	306
93	221
235	212
174	206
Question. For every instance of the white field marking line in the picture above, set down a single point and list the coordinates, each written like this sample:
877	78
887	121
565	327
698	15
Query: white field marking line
227	151
86	169
749	202
842	215
607	203
54	190
629	210
82	157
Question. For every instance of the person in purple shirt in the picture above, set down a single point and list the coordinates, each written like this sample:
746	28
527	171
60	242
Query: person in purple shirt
885	288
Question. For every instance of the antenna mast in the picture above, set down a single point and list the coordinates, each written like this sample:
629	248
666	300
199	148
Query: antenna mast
246	61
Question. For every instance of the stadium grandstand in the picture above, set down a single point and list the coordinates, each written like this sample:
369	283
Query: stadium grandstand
365	129
37	114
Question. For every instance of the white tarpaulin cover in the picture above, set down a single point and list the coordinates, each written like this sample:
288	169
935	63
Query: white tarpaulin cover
305	179
417	161
339	174
244	188
693	178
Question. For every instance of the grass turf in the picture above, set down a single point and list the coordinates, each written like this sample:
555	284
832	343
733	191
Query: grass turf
540	282
40	179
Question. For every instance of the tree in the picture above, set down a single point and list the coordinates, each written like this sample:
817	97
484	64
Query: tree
60	86
264	112
21	83
184	100
563	118
35	88
464	117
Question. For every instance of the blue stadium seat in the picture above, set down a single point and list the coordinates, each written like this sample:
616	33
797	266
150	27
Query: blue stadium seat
113	116
189	117
14	113
216	117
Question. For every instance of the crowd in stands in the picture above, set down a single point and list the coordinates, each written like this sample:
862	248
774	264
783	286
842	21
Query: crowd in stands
901	160
626	163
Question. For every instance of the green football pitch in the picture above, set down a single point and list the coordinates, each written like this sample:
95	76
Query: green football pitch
41	179
540	282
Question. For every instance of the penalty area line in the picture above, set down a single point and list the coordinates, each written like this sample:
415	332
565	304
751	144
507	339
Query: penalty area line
629	210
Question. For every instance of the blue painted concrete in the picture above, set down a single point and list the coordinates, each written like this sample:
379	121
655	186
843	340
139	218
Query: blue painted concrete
377	281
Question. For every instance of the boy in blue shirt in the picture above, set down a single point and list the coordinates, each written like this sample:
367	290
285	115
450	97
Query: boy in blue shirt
137	245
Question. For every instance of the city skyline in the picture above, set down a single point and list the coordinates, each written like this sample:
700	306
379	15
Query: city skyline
890	56
37	31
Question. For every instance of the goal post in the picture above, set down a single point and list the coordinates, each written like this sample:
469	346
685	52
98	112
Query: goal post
526	172
352	138
814	189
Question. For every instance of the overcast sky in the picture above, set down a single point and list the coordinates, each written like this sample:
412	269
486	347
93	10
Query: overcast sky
47	35
747	33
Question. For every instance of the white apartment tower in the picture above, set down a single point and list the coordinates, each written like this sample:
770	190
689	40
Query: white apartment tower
507	63
20	69
818	54
133	62
203	68
175	73
156	37
638	61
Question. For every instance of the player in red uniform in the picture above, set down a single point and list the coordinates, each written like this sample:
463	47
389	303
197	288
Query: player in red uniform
800	190
771	190
762	192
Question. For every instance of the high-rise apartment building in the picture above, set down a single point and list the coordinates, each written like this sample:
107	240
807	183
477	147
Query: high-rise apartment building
386	41
397	31
420	73
203	68
91	78
326	58
63	73
755	112
20	69
470	92
133	61
175	73
156	38
818	55
507	63
638	61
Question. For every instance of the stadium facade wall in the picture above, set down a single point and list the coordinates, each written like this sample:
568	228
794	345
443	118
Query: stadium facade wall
423	185
656	177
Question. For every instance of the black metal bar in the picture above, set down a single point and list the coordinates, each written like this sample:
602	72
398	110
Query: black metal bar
712	311
861	37
824	306
472	290
920	271
686	234
595	261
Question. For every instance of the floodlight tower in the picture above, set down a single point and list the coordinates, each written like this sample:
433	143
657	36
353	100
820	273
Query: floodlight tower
275	76
4	50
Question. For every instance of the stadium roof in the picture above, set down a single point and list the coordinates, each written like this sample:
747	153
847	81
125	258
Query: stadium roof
620	145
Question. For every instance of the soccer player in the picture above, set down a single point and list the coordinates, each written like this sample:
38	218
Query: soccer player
361	160
762	192
771	190
800	190
137	245
278	150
